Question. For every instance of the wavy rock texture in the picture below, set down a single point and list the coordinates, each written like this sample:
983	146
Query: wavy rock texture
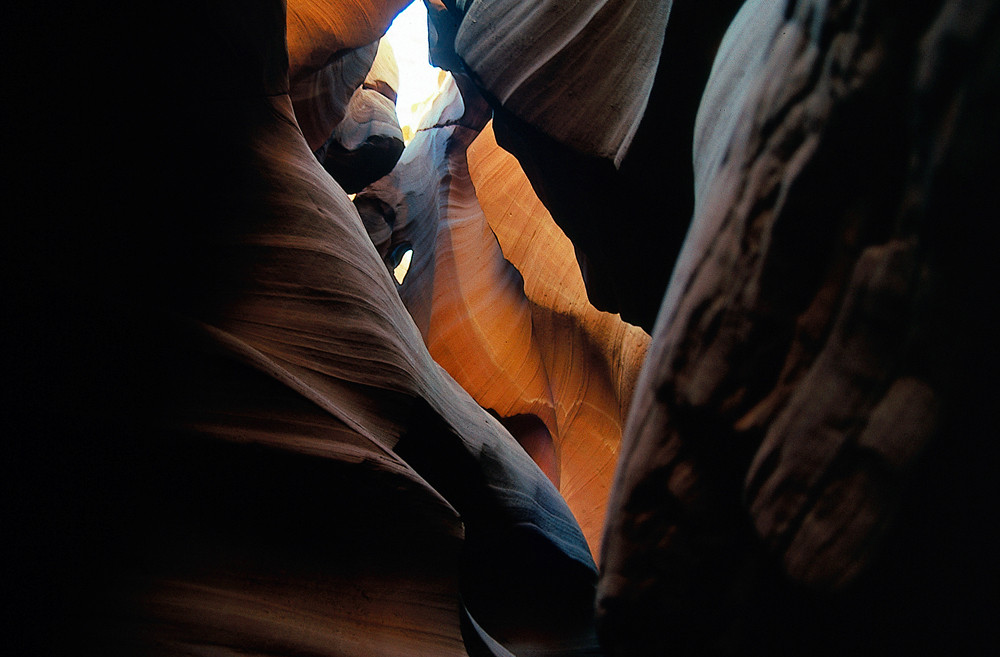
538	59
246	446
331	47
225	434
509	319
367	142
626	263
591	358
312	309
808	444
320	29
321	98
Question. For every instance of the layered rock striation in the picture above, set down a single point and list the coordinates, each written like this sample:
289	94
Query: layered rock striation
243	445
231	430
367	142
493	288
625	244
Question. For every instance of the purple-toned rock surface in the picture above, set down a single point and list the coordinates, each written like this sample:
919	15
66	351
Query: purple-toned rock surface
226	433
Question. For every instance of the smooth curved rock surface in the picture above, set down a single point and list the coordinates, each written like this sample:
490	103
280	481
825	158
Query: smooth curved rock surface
808	414
313	310
331	47
321	29
592	358
580	72
321	98
626	244
246	447
367	142
201	460
523	343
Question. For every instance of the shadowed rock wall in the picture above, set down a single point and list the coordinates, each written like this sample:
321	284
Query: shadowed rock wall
231	437
494	290
804	466
226	433
626	235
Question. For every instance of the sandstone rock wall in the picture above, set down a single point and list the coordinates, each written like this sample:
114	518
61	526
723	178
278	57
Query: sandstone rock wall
235	440
227	432
493	288
791	466
367	141
625	241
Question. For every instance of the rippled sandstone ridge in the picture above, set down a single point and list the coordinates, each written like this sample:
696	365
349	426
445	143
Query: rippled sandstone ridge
693	355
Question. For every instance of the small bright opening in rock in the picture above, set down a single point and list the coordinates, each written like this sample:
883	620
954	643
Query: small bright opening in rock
401	257
418	80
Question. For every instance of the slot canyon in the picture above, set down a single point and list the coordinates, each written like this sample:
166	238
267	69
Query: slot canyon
663	332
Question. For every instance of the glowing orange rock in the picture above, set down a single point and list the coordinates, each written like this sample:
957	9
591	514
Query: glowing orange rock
591	358
509	319
331	47
318	29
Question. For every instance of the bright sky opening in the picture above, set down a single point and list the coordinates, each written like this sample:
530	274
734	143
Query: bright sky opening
418	80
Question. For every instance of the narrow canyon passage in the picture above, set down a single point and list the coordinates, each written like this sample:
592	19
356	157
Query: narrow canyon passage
641	328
